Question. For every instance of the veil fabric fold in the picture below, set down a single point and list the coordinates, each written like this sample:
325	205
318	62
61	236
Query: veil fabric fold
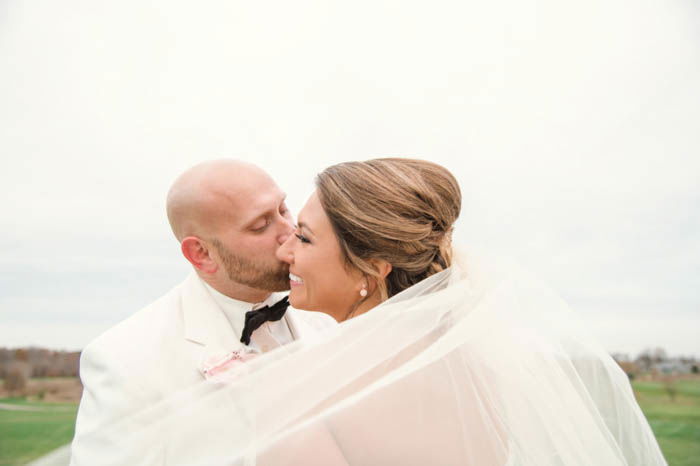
478	365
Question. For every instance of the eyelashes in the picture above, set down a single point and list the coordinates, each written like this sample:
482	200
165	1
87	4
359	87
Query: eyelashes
283	211
262	228
302	238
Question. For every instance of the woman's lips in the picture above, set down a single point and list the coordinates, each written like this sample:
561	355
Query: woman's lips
295	280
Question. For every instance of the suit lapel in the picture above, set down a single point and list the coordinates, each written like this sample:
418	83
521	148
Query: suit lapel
204	322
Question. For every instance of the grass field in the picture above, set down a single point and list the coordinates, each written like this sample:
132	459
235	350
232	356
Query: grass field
676	423
27	435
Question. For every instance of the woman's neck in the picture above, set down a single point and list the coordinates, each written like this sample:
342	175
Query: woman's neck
365	305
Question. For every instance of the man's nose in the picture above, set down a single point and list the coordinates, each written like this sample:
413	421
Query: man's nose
287	229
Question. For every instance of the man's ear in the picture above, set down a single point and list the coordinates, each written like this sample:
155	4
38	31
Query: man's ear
198	254
381	266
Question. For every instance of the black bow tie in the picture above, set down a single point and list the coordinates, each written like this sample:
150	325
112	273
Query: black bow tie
254	319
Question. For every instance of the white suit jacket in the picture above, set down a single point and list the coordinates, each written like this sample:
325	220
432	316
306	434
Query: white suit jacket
152	355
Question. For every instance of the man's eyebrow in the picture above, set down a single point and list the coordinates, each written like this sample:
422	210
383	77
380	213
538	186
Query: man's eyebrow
304	225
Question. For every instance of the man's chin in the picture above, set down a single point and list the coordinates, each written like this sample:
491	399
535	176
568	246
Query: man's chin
268	282
279	283
281	287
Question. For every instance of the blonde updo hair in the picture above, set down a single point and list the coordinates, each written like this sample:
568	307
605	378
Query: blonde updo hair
398	210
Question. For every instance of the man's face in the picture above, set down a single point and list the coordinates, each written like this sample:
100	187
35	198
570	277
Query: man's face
247	238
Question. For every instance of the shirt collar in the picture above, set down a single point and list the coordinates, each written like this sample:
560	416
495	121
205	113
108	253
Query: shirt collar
235	310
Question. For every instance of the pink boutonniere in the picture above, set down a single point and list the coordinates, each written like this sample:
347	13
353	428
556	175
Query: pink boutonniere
217	365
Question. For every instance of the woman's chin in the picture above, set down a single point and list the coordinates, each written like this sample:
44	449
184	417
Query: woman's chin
297	300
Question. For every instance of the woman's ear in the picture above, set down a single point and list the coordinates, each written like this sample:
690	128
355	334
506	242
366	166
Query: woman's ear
197	253
381	266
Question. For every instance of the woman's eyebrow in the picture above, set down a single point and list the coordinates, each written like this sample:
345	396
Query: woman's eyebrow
305	226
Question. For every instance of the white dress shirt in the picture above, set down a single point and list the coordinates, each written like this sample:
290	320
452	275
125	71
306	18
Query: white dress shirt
270	335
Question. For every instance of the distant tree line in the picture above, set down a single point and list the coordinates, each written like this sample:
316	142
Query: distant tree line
18	365
39	362
657	361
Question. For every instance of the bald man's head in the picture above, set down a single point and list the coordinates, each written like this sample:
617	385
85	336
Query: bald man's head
230	217
205	193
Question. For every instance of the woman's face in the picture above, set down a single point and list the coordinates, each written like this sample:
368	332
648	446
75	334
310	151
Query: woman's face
319	279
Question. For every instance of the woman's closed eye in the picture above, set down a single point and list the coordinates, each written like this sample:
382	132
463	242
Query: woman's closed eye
302	238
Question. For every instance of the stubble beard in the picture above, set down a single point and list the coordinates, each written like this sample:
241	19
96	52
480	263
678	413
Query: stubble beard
253	274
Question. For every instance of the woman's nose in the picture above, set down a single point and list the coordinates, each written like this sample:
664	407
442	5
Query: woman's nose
284	252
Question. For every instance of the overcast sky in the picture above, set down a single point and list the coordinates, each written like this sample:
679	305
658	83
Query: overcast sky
573	128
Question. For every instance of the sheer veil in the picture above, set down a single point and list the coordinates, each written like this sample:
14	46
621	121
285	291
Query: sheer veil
478	365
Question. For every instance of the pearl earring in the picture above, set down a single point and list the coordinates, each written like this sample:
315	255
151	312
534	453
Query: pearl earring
363	292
